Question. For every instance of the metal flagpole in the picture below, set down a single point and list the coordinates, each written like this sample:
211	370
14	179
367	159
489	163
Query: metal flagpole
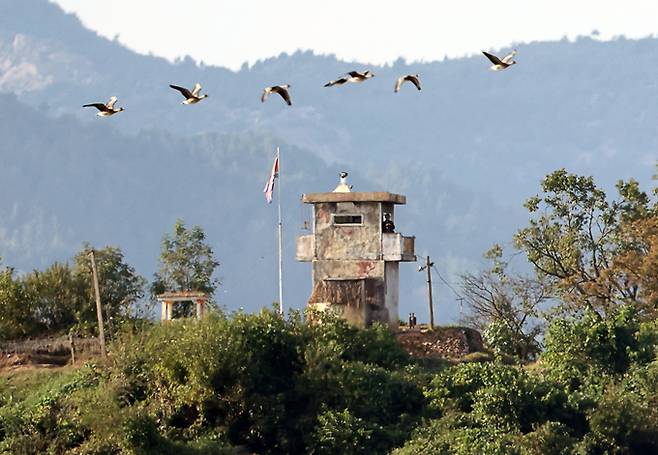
278	156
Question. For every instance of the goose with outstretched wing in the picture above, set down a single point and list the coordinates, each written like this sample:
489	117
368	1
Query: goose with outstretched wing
191	97
282	90
107	109
352	76
500	64
413	78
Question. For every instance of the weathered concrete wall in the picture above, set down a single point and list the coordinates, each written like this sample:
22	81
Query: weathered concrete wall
357	300
349	273
392	295
347	242
305	248
348	269
354	287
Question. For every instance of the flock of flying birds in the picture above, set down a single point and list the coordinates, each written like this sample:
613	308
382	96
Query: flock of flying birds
194	96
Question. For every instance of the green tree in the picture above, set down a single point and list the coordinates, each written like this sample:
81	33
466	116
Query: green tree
187	263
57	297
61	297
16	313
121	287
574	239
637	263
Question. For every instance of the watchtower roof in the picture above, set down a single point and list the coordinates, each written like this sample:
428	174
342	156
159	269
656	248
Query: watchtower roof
376	196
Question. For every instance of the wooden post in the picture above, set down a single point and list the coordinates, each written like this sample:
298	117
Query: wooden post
72	345
99	312
428	266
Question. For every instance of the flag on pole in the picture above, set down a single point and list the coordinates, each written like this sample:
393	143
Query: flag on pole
269	186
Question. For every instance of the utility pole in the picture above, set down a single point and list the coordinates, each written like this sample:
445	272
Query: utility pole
428	267
99	312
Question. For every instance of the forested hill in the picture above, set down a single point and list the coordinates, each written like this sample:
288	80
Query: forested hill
467	150
66	182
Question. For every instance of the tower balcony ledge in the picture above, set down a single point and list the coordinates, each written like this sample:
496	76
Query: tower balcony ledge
305	248
399	248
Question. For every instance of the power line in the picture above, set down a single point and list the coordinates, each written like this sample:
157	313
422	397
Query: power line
459	296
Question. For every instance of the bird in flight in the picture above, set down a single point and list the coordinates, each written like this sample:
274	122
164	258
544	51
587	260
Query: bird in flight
413	78
501	64
352	76
280	89
191	97
105	110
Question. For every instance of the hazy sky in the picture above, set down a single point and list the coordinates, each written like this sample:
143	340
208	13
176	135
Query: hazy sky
229	33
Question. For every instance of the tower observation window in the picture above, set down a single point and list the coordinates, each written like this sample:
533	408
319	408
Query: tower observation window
348	219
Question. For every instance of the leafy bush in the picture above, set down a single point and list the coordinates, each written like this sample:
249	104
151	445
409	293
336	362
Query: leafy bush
269	385
548	438
457	434
45	422
265	383
340	432
499	338
499	396
591	349
622	422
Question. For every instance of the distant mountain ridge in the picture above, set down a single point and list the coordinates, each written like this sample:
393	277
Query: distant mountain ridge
466	151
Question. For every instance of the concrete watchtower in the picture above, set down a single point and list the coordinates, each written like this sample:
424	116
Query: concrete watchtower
355	253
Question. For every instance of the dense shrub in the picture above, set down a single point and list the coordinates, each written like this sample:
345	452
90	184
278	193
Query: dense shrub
47	422
594	391
341	432
506	343
269	385
255	381
499	396
457	434
592	349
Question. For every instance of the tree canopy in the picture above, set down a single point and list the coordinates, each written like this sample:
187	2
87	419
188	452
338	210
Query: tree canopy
187	262
587	246
60	297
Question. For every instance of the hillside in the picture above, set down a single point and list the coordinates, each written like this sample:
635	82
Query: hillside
258	383
466	151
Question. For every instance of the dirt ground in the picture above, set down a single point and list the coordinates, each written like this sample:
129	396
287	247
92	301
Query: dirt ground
442	342
12	361
419	342
50	352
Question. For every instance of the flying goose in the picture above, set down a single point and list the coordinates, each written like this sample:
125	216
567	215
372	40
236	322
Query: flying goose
191	97
413	78
280	89
352	76
501	64
105	110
